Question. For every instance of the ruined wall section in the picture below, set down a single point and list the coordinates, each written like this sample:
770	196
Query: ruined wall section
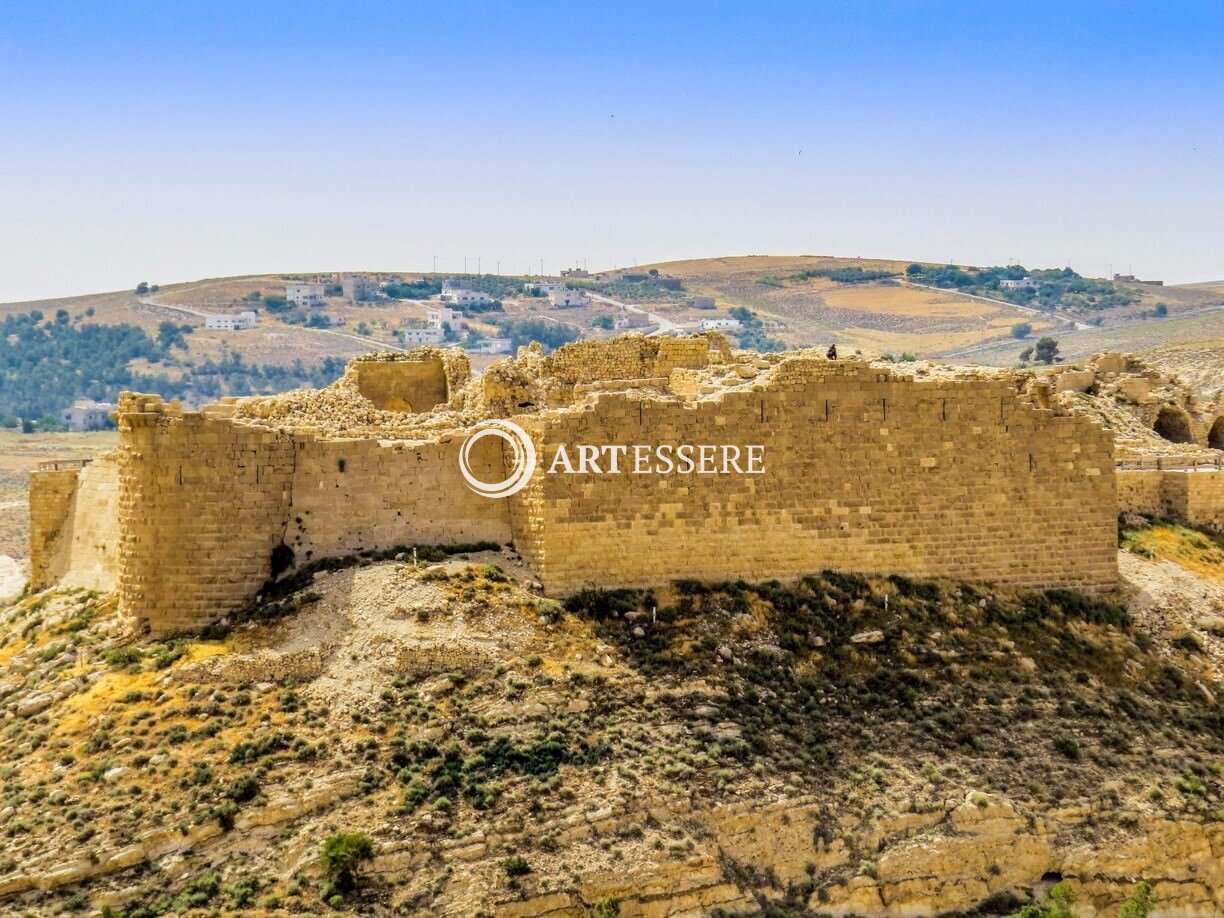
355	495
51	494
1194	496
864	472
202	503
88	554
626	357
204	499
416	381
532	381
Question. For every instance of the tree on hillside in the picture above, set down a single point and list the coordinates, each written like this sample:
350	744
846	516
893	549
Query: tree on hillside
342	856
1021	330
170	334
142	288
1046	350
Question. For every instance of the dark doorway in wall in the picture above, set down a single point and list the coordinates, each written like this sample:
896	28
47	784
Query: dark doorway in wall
1215	437
1174	425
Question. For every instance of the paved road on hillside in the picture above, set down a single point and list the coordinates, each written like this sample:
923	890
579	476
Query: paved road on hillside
1068	340
665	326
361	339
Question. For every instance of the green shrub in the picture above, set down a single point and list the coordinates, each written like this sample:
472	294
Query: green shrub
342	856
1140	903
1067	746
122	657
516	866
243	790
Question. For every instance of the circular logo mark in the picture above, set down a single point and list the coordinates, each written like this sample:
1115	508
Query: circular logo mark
522	463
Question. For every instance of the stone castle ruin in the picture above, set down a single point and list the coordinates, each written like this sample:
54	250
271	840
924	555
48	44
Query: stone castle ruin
974	474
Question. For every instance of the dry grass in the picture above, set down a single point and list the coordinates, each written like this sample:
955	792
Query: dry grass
1198	552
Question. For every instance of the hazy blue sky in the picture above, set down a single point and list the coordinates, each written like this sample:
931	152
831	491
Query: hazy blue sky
169	141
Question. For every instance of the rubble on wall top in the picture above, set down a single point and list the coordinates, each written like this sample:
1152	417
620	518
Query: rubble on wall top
693	369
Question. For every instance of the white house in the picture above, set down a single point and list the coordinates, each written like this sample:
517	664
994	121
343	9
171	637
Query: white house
237	322
86	414
423	335
443	317
565	297
305	294
463	297
714	324
1009	284
543	287
630	320
491	346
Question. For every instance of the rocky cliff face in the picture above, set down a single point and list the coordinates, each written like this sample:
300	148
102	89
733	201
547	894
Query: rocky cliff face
838	745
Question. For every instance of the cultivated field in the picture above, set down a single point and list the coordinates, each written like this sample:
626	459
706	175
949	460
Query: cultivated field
892	316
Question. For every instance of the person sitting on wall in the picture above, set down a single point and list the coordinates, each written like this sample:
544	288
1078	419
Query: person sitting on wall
832	353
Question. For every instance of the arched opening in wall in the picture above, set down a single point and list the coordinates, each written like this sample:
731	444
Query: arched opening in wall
1174	425
1215	436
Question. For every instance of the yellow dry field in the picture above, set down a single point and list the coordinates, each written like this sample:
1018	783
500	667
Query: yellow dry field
900	301
714	268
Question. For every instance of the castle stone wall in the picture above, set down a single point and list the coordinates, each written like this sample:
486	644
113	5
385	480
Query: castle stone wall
864	472
205	500
1204	496
51	494
202	503
352	495
403	385
74	526
1193	496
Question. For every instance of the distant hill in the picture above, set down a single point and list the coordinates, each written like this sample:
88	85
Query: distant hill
804	303
875	305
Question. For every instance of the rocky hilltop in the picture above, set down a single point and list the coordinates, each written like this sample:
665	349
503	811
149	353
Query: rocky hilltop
838	745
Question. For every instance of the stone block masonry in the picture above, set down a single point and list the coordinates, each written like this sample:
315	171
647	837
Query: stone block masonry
202	504
864	472
74	525
866	469
1196	496
206	500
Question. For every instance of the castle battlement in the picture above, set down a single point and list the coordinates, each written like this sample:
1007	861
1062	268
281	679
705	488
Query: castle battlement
921	471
